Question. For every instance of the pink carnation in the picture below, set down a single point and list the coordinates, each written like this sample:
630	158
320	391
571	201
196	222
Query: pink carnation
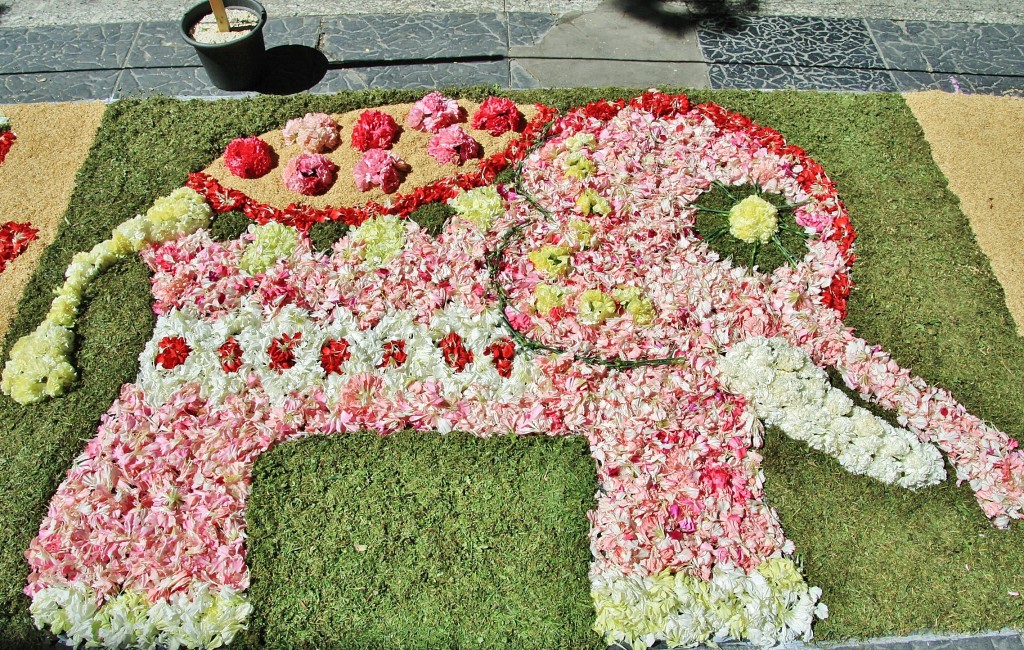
310	174
497	115
379	168
374	130
248	157
433	113
314	132
453	144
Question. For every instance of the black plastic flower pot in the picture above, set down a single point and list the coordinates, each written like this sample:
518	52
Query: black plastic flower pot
235	65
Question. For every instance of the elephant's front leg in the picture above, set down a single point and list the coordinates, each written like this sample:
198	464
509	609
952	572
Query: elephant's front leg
685	549
983	456
144	542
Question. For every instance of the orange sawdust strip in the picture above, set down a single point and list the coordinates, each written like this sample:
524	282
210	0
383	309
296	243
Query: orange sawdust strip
411	147
36	181
976	141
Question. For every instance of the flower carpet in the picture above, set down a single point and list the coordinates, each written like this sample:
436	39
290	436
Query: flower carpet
658	275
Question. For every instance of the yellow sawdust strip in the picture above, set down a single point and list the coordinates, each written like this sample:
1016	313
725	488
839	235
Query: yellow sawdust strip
411	147
36	181
976	141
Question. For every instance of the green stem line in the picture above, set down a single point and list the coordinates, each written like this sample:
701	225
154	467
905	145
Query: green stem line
494	262
789	258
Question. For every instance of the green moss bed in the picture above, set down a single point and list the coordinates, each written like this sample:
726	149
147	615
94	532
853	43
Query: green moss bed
453	542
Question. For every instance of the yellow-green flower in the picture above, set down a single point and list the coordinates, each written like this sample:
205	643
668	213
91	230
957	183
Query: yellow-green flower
273	242
480	206
753	220
582	232
382	238
637	305
546	297
590	202
578	166
552	261
579	141
594	307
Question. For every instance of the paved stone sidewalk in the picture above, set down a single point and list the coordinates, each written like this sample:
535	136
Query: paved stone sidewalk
608	46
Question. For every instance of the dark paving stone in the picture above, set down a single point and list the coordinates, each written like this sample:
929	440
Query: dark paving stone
555	73
965	83
58	86
159	45
424	75
950	47
63	48
779	77
412	37
792	41
187	82
528	28
986	642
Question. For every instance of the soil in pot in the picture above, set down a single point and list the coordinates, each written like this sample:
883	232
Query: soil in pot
205	29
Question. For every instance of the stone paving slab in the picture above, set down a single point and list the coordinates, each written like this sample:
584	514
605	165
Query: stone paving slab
782	77
562	73
791	41
53	49
419	76
529	27
611	33
58	86
414	37
183	82
159	44
950	47
965	83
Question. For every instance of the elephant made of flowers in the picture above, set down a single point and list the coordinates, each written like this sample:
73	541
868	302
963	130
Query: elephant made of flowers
581	300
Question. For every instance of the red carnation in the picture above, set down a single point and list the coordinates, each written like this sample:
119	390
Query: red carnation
7	139
503	352
230	355
497	115
661	105
248	157
374	130
281	351
394	354
14	239
334	353
454	351
603	110
173	352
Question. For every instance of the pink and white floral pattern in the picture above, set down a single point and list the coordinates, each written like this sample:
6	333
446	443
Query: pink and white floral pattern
684	546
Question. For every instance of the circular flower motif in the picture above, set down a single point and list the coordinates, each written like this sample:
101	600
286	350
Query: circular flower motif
310	174
453	144
454	351
497	116
248	157
374	130
230	355
173	351
313	132
379	168
433	113
282	351
334	353
753	220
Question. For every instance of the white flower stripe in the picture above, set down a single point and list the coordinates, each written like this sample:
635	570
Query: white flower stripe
786	389
203	617
479	380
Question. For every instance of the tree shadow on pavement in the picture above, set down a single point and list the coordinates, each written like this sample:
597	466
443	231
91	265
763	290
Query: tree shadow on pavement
678	16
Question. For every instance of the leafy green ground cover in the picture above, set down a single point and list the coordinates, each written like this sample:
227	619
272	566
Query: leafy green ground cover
889	561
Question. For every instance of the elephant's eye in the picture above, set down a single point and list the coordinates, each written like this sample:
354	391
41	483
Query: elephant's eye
754	228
